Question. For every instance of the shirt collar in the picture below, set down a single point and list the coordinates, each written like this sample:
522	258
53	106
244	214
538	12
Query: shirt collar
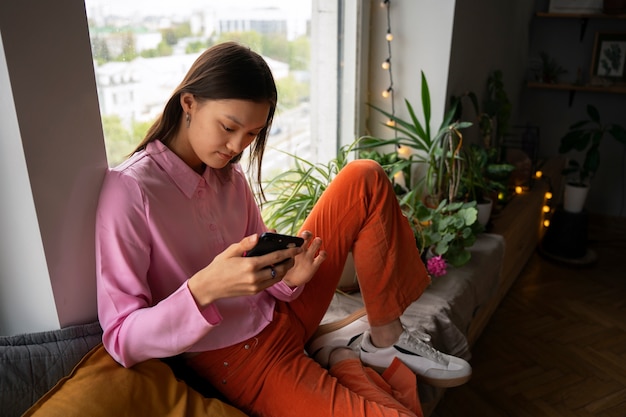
183	176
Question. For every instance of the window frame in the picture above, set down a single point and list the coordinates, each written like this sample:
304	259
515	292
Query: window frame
341	67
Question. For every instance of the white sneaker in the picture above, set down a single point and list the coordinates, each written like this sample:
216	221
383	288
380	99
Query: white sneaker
432	366
344	333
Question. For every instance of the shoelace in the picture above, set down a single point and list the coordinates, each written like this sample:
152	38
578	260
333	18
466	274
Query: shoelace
417	340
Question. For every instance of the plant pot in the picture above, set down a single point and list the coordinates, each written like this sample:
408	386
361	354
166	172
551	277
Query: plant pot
484	211
574	197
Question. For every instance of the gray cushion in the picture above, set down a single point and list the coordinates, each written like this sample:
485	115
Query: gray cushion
31	364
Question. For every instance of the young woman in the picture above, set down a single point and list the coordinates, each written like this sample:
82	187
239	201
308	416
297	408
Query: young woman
174	222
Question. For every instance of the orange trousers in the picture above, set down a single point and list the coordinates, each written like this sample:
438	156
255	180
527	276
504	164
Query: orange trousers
270	375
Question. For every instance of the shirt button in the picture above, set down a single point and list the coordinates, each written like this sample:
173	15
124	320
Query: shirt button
246	347
213	227
225	363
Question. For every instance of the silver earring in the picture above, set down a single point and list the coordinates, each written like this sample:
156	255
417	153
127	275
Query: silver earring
187	119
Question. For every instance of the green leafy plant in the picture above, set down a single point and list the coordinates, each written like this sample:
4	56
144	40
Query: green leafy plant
550	70
498	106
485	122
394	166
482	178
493	118
449	229
586	136
475	185
439	150
295	191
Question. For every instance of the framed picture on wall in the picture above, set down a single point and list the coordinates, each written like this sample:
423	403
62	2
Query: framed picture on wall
609	57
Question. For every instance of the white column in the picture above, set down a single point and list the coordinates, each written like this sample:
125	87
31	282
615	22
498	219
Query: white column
52	162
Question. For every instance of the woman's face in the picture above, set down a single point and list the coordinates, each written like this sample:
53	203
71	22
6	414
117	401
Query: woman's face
218	130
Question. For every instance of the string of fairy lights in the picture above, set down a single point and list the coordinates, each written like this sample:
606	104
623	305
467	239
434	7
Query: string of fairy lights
547	209
388	93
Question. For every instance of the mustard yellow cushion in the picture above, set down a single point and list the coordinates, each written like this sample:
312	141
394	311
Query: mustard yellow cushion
99	386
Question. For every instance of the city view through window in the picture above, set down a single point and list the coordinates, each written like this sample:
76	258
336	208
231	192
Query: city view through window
142	50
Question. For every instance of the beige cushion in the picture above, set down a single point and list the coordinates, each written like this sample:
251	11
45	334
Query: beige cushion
99	386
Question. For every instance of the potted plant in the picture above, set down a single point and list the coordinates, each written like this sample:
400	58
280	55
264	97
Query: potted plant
551	70
482	180
475	186
429	202
449	230
438	151
585	136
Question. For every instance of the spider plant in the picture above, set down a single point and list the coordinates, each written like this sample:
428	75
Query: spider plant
294	192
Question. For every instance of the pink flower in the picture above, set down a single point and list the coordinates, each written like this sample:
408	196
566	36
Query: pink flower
436	266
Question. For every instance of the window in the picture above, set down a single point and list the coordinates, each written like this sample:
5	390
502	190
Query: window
142	50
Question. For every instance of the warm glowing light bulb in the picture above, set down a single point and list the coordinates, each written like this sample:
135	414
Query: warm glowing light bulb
548	195
518	190
538	174
390	123
546	209
386	65
389	37
404	152
500	196
546	223
399	179
386	93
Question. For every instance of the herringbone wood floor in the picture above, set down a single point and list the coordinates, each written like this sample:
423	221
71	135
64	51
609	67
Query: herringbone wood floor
556	345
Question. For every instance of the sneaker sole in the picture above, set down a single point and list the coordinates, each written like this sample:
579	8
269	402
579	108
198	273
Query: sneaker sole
435	382
445	383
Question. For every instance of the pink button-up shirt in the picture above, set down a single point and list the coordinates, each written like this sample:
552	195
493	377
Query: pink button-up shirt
158	223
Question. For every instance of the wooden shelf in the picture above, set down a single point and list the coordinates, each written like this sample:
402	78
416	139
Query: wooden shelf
616	89
581	15
573	88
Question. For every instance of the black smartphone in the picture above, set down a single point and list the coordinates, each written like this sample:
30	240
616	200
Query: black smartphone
270	242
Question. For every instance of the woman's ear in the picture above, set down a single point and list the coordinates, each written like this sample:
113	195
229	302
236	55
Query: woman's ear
187	101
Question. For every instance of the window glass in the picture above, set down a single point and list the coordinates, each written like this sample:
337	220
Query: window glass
143	48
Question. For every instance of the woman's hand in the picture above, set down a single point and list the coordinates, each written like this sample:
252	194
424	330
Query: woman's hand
231	274
307	262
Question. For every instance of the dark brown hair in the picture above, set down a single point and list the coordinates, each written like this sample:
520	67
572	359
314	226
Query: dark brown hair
225	71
